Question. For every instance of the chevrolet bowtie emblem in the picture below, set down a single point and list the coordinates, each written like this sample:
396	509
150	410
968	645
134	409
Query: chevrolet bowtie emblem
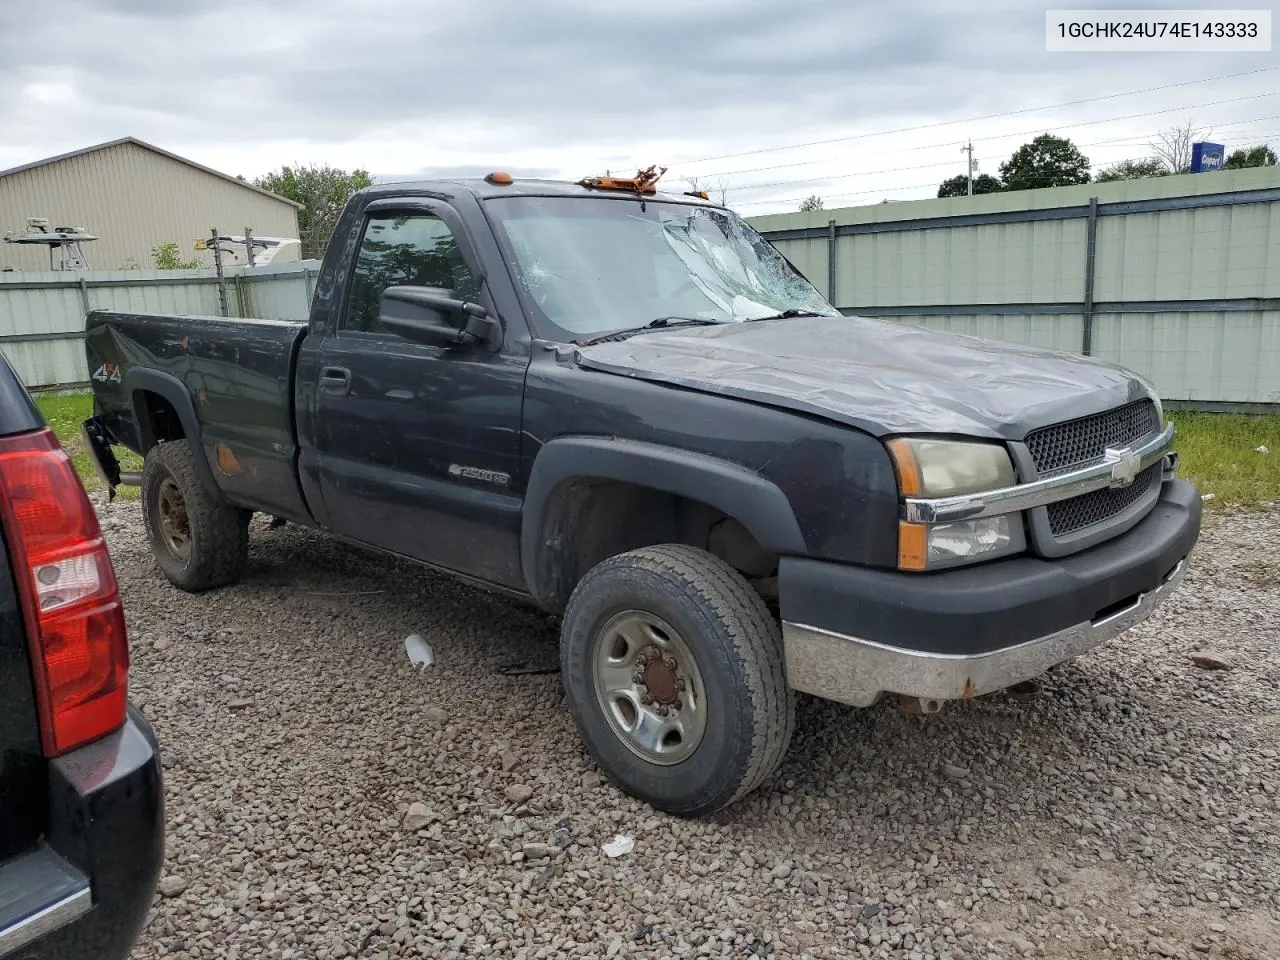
1124	466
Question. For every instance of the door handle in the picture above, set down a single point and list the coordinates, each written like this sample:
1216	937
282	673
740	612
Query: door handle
335	380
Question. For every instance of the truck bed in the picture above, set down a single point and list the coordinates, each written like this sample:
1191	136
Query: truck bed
163	376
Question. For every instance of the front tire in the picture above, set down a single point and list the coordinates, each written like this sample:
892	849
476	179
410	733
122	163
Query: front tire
673	668
199	541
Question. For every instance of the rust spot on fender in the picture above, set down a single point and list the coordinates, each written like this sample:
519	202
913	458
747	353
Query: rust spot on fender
968	688
186	343
227	461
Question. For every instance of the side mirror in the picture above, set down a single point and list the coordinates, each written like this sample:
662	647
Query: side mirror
433	315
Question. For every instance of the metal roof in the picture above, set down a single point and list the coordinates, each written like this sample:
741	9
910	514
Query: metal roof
154	149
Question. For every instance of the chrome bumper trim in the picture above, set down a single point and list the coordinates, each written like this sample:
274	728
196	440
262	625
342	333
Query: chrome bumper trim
45	921
854	671
1117	468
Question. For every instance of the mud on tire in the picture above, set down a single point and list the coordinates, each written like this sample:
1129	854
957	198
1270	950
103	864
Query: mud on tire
198	541
737	650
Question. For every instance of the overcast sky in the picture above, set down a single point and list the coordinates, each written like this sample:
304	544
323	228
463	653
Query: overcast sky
574	87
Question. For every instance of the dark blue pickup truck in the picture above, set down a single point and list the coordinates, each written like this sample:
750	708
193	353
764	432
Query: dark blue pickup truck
628	408
81	808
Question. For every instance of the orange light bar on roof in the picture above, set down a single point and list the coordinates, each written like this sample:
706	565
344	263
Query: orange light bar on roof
499	178
645	181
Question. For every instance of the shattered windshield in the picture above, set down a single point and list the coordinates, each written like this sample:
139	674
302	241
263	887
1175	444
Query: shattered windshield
595	265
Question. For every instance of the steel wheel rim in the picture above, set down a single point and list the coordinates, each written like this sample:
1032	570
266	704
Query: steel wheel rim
649	688
173	523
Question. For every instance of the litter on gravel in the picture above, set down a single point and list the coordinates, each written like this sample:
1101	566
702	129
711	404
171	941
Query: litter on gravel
420	652
619	846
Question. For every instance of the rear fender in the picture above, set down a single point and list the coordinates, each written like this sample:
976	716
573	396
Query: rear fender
138	382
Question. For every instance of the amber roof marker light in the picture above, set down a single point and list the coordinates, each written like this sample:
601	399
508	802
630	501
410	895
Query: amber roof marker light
645	181
500	179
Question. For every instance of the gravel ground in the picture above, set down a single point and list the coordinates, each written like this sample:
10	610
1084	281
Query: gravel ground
1129	809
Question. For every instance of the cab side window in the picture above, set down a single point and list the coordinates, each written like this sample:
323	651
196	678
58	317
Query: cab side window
403	250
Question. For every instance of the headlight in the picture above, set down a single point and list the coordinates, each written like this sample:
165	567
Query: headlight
947	468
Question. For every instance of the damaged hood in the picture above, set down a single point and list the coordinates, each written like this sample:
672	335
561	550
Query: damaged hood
880	376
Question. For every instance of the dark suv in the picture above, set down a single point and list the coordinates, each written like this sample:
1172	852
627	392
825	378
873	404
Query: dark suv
81	806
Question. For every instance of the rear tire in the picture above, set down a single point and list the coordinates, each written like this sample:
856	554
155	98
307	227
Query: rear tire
709	658
199	541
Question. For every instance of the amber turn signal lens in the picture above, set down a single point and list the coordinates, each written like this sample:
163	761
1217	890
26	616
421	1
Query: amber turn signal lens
904	460
913	546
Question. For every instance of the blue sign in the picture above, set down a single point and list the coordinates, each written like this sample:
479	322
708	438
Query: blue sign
1207	156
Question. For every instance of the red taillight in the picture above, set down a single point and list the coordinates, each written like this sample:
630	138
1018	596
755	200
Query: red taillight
79	652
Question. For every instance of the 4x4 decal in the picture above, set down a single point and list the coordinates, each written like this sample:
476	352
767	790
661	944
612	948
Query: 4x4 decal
107	373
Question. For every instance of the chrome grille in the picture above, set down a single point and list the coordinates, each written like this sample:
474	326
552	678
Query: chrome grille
1075	442
1068	516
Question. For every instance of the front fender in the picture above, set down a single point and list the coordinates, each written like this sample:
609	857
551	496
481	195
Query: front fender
737	491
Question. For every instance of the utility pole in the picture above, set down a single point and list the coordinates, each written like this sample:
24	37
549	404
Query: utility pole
222	279
248	244
969	168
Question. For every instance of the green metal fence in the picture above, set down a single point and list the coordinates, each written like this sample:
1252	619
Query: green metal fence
1175	277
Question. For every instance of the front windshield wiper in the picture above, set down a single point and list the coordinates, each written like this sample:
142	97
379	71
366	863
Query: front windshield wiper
679	321
656	323
788	314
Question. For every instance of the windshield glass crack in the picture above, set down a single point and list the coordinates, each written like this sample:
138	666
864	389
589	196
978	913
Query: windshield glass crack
596	267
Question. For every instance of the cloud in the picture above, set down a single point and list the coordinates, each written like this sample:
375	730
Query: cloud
573	87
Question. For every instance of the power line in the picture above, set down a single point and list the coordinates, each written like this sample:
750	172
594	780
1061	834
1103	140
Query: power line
1145	137
939	146
882	190
990	116
1024	133
1123	141
863	193
838	196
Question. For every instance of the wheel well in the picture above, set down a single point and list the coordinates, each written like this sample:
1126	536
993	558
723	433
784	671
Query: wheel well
588	520
160	420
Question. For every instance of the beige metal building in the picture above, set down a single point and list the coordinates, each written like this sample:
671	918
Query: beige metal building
134	196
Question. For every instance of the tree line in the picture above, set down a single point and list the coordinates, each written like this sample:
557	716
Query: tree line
1049	161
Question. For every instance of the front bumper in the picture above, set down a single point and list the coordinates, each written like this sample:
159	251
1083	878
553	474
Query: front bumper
851	633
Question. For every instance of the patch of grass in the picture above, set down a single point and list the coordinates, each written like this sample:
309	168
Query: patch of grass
1219	454
65	412
1219	450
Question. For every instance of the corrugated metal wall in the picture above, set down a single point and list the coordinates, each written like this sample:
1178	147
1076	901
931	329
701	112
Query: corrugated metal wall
42	314
1185	283
280	292
133	199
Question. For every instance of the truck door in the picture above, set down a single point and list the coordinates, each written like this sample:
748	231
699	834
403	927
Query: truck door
418	446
